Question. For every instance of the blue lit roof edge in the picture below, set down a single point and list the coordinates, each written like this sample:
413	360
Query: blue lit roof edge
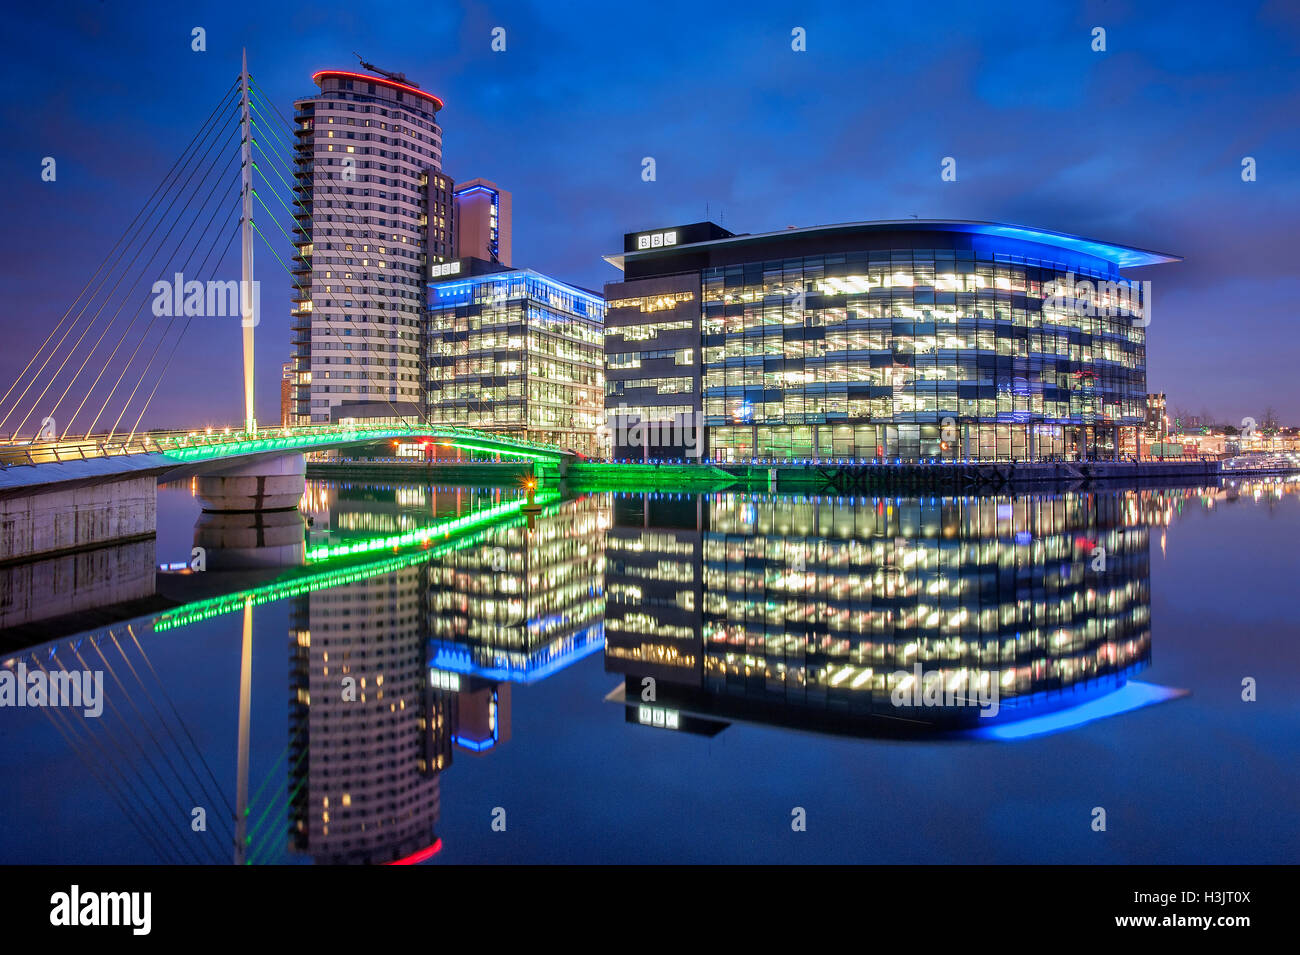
486	276
1124	256
585	642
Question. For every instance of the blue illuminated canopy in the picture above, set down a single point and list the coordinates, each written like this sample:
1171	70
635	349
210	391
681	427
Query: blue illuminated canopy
1123	256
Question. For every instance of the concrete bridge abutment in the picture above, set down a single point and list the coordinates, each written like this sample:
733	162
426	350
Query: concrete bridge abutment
274	484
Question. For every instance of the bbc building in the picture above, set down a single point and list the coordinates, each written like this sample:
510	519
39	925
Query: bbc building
911	340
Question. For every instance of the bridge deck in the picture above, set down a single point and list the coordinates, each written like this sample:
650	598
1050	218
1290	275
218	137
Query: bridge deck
53	462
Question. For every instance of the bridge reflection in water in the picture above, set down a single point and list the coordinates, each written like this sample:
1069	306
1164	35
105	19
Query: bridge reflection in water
801	613
820	614
433	650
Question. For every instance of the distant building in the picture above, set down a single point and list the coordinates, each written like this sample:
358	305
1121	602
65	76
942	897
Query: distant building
286	394
1157	421
483	221
513	351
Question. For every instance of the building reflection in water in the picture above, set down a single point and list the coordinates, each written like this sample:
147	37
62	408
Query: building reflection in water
521	604
821	613
806	613
368	736
433	649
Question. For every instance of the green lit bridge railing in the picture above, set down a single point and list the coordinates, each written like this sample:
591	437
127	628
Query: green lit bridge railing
187	447
332	565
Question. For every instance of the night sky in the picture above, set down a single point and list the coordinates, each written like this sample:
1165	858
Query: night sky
1141	144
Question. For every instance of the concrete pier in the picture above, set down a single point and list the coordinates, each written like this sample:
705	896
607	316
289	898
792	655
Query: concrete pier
276	484
63	519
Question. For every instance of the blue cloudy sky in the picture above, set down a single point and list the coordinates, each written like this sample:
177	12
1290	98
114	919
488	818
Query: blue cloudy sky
1141	144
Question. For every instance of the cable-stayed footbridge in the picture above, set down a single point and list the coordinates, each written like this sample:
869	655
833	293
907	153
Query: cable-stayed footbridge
73	421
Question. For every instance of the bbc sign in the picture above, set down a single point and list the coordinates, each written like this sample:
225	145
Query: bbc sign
444	268
656	240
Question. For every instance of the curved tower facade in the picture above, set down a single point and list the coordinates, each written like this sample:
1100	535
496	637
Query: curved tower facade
373	210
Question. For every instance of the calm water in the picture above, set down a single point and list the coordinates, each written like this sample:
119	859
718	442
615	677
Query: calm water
496	668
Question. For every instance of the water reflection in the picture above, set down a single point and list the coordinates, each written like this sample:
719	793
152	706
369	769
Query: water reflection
238	540
879	615
44	591
392	671
368	736
416	611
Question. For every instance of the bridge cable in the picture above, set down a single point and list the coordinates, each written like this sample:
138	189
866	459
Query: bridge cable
171	321
131	324
324	188
124	760
258	854
181	243
144	723
261	820
184	727
184	328
98	774
167	727
130	266
129	231
144	336
424	370
87	303
131	735
367	353
257	794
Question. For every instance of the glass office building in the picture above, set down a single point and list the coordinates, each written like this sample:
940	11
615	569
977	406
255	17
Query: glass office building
877	341
512	351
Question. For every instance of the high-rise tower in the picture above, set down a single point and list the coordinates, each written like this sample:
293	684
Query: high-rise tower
373	211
